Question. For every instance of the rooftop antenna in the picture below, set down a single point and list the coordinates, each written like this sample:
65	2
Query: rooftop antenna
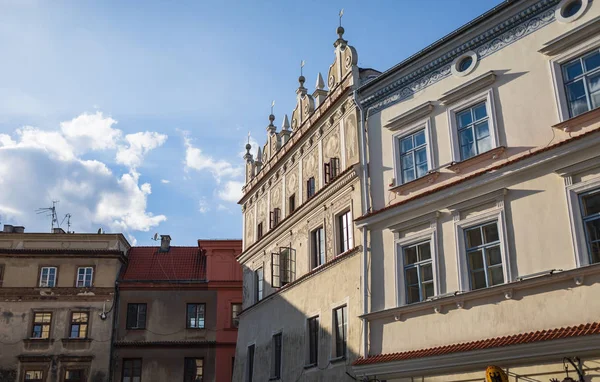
50	211
155	237
68	217
301	66
341	15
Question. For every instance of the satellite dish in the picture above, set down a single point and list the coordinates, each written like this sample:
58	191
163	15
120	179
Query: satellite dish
155	237
99	231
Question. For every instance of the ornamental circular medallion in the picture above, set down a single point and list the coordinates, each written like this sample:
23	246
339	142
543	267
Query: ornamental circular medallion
306	108
275	196
331	81
348	62
261	208
292	182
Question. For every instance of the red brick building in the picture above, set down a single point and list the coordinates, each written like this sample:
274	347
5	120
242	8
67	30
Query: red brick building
177	312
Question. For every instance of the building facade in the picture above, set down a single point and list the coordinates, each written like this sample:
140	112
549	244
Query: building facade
302	254
177	313
56	291
484	171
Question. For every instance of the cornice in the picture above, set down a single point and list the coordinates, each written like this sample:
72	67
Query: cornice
484	44
19	294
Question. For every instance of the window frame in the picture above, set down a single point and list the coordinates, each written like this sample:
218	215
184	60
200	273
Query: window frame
418	265
274	218
42	325
70	368
339	228
86	322
456	108
132	361
1	274
259	231
187	316
186	361
250	352
92	268
278	271
483	248
311	188
423	124
137	327
310	337
318	256
259	288
233	318
335	355
40	272
34	369
275	373
291	203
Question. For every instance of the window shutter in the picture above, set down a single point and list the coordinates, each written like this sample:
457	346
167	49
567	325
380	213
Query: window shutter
335	166
275	276
271	220
291	258
142	316
327	171
308	194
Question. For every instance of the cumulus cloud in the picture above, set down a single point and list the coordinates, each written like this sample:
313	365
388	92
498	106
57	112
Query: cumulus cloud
91	132
231	191
139	144
195	159
203	206
165	181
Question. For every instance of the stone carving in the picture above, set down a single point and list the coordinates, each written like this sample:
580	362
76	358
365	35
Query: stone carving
351	142
292	182
332	145
329	235
310	163
276	195
262	209
249	227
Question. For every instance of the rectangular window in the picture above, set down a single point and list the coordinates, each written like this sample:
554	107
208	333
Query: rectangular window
1	274
85	277
34	376
41	325
310	187
74	375
259	231
484	255
195	316
259	276
590	205
474	135
331	170
236	309
79	325
136	316
48	277
582	83
340	325
275	217
418	272
318	247
313	341
283	267
345	235
132	370
276	357
193	370
292	203
250	364
413	156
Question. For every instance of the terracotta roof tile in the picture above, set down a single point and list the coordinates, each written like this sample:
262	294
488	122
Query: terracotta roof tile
179	263
516	339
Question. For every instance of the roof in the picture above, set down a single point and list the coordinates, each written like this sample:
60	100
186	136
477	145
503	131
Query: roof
178	264
496	342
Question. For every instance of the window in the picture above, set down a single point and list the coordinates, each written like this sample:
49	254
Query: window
413	156
283	267
473	131
74	375
590	205
34	375
318	247
250	364
292	203
236	309
259	276
418	272
340	325
195	316
41	325
275	217
84	277
345	228
48	277
331	170
1	274
310	187
484	256
193	370
79	324
276	357
582	83
132	370
313	341
136	316
259	230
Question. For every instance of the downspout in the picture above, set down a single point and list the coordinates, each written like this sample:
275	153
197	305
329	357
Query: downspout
113	331
366	207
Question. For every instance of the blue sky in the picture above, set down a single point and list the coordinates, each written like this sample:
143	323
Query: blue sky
134	114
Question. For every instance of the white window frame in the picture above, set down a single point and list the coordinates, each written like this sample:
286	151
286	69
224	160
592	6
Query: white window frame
333	308
84	274
55	277
496	214
255	284
557	75
311	251
316	314
486	96
338	230
281	368
424	124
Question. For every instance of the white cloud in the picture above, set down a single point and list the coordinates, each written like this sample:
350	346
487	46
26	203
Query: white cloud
224	208
132	239
91	132
203	206
196	160
231	191
165	181
139	144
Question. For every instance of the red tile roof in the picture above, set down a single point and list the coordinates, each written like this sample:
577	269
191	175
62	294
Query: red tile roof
178	264
517	339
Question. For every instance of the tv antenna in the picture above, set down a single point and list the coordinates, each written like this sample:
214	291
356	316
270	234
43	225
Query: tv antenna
68	218
155	237
50	211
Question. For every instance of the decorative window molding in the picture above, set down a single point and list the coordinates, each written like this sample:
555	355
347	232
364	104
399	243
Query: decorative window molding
453	110
410	116
425	125
571	38
563	11
495	214
468	88
464	64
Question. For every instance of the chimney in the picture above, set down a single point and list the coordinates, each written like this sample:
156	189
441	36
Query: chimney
19	229
57	230
165	243
8	228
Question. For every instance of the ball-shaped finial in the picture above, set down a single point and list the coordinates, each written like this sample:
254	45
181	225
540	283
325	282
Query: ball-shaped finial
248	146
271	118
301	79
340	31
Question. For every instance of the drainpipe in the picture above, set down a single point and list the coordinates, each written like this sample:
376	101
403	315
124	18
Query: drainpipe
113	331
366	207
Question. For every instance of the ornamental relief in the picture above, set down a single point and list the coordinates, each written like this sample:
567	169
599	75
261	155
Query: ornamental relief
276	195
351	141
262	209
292	182
249	227
309	164
331	145
329	234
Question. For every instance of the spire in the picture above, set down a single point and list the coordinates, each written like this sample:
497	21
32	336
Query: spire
259	155
285	130
320	93
301	89
272	129
320	83
248	155
340	32
286	123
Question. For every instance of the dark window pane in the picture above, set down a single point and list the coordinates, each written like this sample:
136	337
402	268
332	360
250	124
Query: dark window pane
428	290
413	294
494	256
406	144
577	99
464	64
424	251
466	136
490	233
407	161
475	260
595	249
412	277
572	70
420	138
421	156
410	255
594	89
421	170
482	130
478	279
591	204
426	273
480	111
473	237
496	276
593	230
408	175
464	118
592	61
467	151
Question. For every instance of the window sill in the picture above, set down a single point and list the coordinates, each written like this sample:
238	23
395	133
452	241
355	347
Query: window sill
75	340
406	188
578	122
76	343
135	329
195	329
337	359
310	366
492	154
275	379
38	343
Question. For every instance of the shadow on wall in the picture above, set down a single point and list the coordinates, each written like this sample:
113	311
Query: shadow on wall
306	354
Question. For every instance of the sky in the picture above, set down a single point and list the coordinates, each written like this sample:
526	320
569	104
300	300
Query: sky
134	115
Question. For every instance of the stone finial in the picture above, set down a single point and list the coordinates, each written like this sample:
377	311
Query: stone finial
320	93
272	129
259	155
340	41
285	130
320	83
286	123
